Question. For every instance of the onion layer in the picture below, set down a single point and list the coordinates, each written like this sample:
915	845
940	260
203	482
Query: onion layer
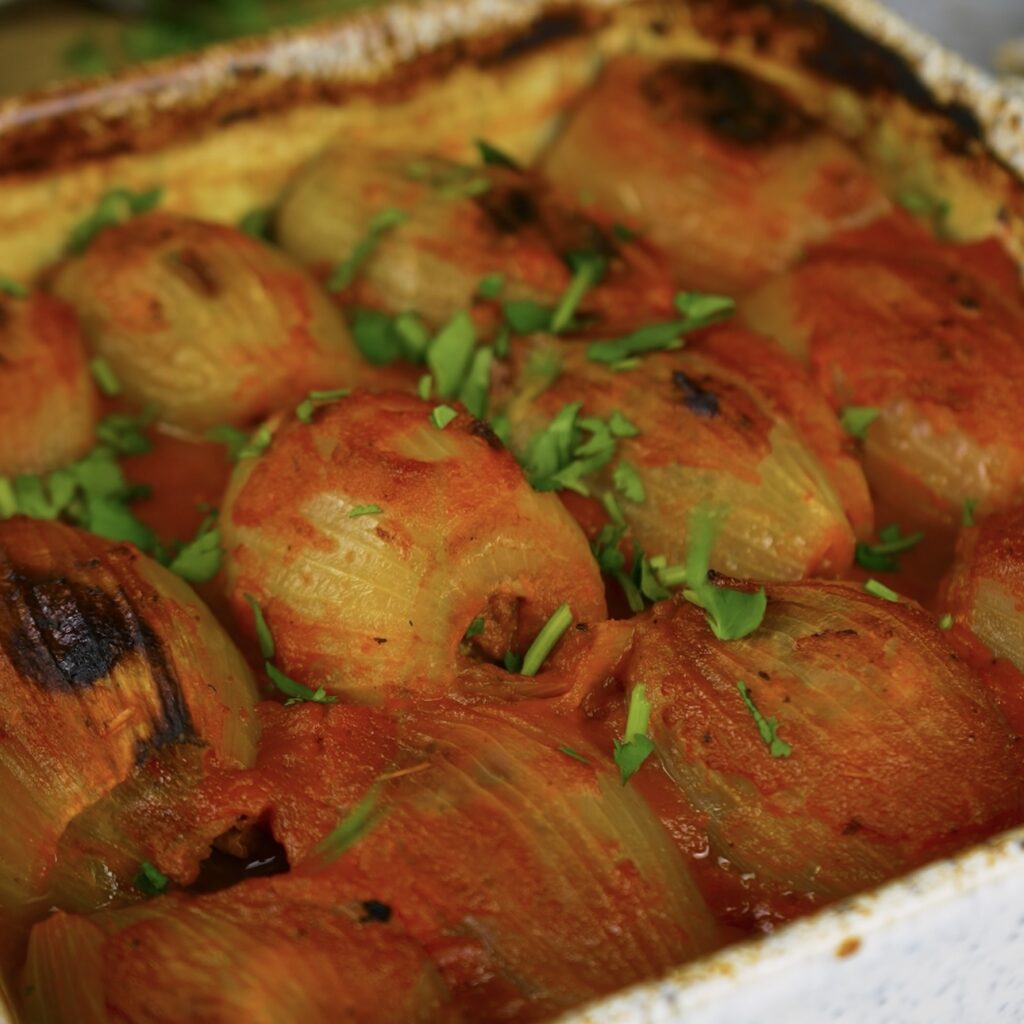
203	323
859	747
372	540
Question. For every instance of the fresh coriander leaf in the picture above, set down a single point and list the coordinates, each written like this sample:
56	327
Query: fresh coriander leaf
767	727
475	628
856	419
574	754
543	367
263	635
513	662
490	286
494	157
442	415
199	560
364	510
627	480
878	557
620	426
425	386
296	692
256	223
919	203
149	880
946	622
475	392
646	577
125	434
501	341
103	374
672	576
109	517
967	516
13	288
115	207
588	269
606	549
526	317
8	501
304	411
257	443
551	632
731	614
551	449
611	505
450	353
355	824
375	336
635	746
413	336
655	338
624	233
877	589
236	440
700	309
381	223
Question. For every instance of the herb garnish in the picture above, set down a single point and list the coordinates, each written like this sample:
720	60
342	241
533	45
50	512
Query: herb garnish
494	157
588	269
877	589
879	556
382	222
490	286
767	727
114	207
543	643
856	419
304	410
475	628
149	880
13	288
363	510
967	515
103	374
442	415
199	560
352	827
946	622
574	754
256	223
635	746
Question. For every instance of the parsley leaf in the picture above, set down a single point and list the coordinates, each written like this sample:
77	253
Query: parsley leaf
574	754
125	434
490	286
476	386
256	223
297	693
731	614
628	481
350	829
544	642
106	379
635	746
475	628
442	415
856	419
381	223
363	510
877	589
115	207
150	880
967	515
263	635
767	727
450	353
526	317
236	440
494	157
199	560
879	556
588	269
946	622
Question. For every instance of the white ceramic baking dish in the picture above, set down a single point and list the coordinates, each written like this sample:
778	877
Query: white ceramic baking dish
222	132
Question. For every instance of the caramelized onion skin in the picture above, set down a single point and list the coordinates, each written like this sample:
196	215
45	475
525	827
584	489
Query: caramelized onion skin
718	167
514	224
932	335
105	657
270	951
49	408
376	604
985	588
730	420
203	323
898	751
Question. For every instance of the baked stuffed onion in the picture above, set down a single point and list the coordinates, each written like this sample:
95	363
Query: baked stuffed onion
373	537
924	341
985	590
726	420
720	168
49	409
105	658
202	323
841	744
409	232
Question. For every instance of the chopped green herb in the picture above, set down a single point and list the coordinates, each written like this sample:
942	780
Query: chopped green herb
413	335
258	442
423	389
731	614
494	157
375	336
475	628
967	516
450	353
475	392
256	223
618	353
83	56
124	433
544	642
856	419
350	829
946	622
442	415
588	269
364	510
490	286
628	481
513	662
103	374
877	589
624	233
297	693
115	207
767	727
622	427
304	410
236	440
543	367
13	288
501	341
919	203
199	560
383	222
526	317
635	746
150	880
574	754
263	635
878	557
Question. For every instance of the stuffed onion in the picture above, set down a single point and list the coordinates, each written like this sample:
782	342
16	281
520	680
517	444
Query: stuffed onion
405	232
373	537
49	410
985	590
924	341
204	324
841	744
720	168
728	419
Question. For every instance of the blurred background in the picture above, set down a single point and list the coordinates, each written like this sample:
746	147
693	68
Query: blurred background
45	40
